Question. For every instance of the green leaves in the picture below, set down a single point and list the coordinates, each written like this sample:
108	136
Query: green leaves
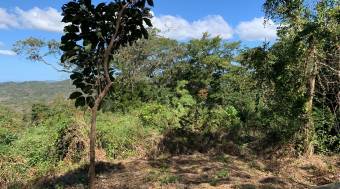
150	2
76	75
87	35
88	47
147	22
80	102
145	33
90	101
75	95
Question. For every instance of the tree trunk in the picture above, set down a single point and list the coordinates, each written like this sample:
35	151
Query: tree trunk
92	172
309	123
94	110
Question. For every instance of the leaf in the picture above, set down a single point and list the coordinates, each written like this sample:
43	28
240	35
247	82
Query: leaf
76	75
87	89
150	2
140	3
145	32
63	58
75	95
147	22
88	47
100	6
67	18
68	46
77	81
87	3
80	102
71	29
87	71
90	101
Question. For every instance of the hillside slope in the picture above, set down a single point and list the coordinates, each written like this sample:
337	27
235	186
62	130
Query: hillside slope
20	96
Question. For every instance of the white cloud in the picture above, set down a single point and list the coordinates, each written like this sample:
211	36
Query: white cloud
174	27
178	28
48	19
7	52
42	19
257	29
7	20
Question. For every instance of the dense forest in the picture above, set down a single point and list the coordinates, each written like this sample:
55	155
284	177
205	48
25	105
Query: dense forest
202	113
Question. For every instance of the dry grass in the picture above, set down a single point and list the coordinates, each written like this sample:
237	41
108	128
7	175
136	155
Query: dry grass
206	171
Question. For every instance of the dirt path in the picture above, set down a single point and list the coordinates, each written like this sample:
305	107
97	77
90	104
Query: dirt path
203	171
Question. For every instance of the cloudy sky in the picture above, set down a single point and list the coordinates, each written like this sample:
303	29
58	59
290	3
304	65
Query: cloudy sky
177	19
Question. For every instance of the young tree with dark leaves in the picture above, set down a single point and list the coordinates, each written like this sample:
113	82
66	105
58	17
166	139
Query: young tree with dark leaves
92	36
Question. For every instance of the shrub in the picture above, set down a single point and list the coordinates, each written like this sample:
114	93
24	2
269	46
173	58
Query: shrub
119	134
221	118
158	116
10	119
327	137
71	142
7	136
40	112
31	149
217	119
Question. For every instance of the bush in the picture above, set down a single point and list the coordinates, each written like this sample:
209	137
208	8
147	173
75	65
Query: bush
10	119
327	137
217	119
7	136
71	143
158	116
40	112
119	134
222	119
32	149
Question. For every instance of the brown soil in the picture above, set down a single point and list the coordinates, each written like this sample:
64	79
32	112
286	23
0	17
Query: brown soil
204	171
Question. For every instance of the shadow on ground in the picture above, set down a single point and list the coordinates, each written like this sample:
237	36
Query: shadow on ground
73	179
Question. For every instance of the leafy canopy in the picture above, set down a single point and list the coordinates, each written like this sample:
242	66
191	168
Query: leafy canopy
93	35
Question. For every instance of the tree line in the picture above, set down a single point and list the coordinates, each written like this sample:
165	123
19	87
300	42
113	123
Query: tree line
284	92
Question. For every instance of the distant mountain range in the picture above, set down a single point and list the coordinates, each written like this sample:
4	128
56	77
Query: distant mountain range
21	95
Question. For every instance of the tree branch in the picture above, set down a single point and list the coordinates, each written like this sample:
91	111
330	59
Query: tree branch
111	44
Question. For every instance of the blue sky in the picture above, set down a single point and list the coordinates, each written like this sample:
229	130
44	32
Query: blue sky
177	19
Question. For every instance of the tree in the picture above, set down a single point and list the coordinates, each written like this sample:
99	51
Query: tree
138	69
305	59
38	50
92	36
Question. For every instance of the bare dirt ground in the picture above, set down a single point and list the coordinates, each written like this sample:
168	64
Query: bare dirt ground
204	171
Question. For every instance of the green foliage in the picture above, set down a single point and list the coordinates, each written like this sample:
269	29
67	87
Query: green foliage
158	116
119	134
198	94
169	179
102	30
40	112
10	123
222	118
296	73
216	120
31	149
9	118
327	138
7	137
70	143
164	176
220	175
